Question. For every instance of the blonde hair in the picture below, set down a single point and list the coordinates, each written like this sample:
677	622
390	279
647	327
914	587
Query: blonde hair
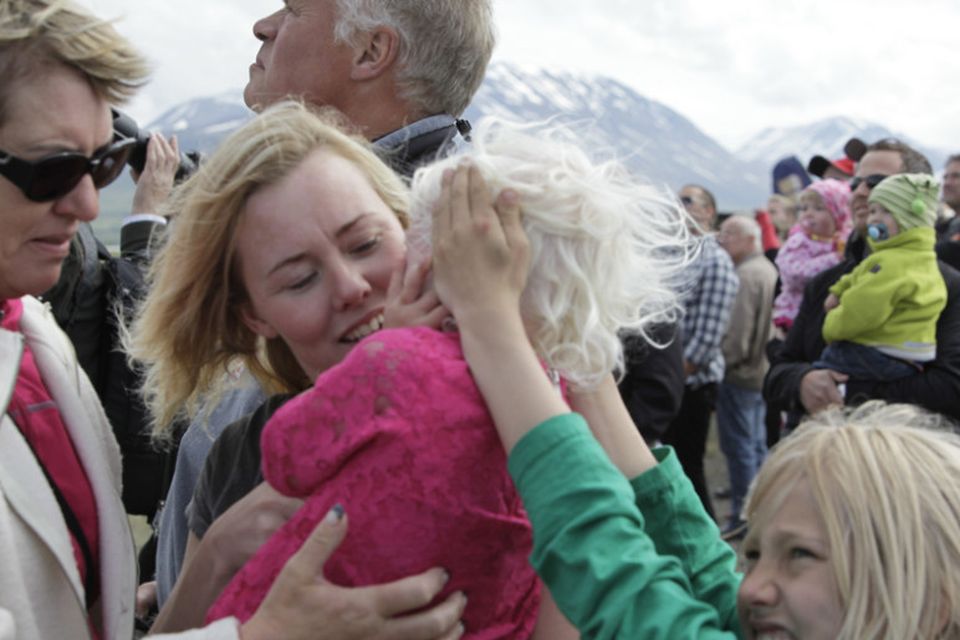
885	480
189	331
606	249
35	34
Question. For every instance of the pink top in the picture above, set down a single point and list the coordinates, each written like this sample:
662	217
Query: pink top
399	434
799	260
34	412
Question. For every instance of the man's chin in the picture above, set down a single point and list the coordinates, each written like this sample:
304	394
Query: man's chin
252	97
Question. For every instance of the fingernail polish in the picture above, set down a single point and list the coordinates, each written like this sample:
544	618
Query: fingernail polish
335	514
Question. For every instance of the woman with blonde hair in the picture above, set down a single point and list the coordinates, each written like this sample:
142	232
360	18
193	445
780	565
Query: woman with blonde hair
201	320
311	252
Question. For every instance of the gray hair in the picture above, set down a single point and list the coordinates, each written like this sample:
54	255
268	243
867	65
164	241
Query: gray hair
445	46
748	227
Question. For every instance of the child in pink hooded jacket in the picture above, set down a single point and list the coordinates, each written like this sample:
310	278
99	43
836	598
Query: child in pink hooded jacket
816	243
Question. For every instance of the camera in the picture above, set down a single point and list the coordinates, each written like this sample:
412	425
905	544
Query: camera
126	127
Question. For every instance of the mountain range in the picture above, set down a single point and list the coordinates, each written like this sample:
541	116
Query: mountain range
655	141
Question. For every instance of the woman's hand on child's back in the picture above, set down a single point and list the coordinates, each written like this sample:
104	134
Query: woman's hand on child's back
303	604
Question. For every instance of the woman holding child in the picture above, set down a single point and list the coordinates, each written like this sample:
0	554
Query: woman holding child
305	266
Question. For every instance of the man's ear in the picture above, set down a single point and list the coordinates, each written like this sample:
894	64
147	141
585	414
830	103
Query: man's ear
253	322
376	54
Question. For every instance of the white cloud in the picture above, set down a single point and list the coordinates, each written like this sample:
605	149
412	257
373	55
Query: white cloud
731	67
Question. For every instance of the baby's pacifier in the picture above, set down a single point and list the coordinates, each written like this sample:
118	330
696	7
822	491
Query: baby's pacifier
878	231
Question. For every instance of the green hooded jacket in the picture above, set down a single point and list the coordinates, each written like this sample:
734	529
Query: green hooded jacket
893	299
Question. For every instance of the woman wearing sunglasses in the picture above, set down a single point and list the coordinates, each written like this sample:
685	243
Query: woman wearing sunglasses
67	559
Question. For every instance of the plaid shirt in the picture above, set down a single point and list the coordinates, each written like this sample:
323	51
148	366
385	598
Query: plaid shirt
707	307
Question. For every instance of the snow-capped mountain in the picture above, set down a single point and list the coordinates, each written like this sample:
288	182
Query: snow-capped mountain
824	137
657	143
201	124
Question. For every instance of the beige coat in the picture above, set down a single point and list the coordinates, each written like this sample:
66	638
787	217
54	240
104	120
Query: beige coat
41	594
744	345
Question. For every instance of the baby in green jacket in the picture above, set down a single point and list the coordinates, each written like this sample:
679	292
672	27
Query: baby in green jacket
881	321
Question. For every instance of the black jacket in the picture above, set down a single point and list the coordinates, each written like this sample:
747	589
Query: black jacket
652	388
93	286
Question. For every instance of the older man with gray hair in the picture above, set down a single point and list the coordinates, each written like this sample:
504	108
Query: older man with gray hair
740	406
402	72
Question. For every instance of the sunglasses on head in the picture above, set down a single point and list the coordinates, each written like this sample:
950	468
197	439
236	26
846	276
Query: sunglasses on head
871	181
55	176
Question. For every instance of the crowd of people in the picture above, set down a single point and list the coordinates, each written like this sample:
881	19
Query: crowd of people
494	356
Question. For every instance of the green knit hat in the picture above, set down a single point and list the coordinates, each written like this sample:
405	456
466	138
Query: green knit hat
911	198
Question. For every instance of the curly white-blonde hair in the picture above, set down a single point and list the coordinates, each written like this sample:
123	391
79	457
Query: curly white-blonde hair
607	249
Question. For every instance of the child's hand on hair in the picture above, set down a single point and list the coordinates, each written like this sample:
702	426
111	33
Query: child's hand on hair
411	299
481	253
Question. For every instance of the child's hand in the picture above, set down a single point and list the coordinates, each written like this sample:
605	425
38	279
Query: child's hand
832	302
481	252
411	302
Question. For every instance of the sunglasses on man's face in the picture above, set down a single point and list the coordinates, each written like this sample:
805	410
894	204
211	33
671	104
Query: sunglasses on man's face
55	176
871	181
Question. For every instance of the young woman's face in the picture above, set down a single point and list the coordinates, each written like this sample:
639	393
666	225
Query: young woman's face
815	217
789	591
317	251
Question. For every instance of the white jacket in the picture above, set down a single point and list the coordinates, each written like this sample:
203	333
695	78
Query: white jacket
41	594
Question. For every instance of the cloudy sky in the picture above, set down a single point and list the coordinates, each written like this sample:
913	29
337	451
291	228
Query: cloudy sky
732	67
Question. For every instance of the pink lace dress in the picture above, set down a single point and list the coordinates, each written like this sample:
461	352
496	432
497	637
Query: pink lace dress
399	435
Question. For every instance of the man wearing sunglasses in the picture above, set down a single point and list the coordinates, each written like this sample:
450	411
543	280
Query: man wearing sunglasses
794	382
708	304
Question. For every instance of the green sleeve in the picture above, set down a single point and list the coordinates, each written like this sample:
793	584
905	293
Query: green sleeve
593	552
866	305
679	527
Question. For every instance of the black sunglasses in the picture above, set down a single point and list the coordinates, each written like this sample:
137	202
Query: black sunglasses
871	181
55	176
